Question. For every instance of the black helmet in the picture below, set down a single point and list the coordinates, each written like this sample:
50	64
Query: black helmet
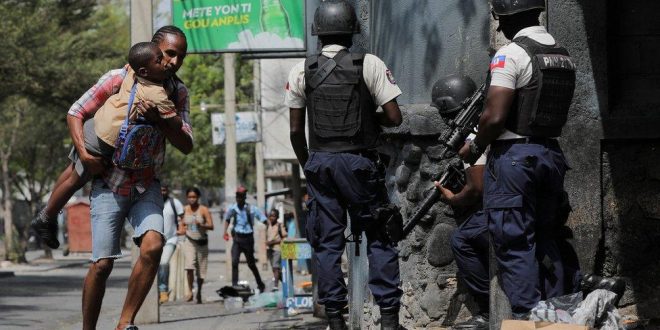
510	7
335	17
449	92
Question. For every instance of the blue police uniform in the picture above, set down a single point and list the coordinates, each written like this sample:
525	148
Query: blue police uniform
469	243
341	172
524	177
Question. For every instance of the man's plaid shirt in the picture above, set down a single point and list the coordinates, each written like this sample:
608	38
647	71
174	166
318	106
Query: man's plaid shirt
121	181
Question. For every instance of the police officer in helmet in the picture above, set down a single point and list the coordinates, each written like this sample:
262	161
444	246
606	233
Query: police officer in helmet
469	242
339	92
531	88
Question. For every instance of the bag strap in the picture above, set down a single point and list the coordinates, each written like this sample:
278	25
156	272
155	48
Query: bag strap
326	69
176	216
250	220
124	126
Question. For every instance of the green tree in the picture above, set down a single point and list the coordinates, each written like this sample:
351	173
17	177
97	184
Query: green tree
52	52
204	167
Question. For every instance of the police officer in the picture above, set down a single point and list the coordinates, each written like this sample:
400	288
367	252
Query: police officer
341	91
531	88
469	242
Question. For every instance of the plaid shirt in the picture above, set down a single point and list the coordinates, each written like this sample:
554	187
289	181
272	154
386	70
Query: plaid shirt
118	180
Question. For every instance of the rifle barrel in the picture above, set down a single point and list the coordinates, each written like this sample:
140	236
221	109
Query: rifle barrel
428	203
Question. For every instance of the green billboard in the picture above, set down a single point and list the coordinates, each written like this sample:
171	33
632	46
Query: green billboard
241	25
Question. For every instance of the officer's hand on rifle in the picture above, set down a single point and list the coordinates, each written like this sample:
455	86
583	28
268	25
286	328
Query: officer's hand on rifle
464	153
447	195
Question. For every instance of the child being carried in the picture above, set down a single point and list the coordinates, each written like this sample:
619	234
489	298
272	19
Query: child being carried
100	133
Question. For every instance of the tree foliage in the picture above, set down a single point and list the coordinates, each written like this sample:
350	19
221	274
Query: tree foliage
205	166
53	50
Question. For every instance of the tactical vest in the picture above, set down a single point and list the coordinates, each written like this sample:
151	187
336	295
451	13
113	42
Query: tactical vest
540	108
341	111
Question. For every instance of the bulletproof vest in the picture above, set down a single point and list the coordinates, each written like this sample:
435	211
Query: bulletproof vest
540	108
341	111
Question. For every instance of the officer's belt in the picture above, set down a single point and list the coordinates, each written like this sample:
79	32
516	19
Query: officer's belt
366	153
548	142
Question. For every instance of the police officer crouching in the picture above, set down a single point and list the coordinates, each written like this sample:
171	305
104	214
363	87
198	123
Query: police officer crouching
341	91
531	88
469	242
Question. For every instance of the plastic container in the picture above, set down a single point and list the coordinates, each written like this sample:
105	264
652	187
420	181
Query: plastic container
233	304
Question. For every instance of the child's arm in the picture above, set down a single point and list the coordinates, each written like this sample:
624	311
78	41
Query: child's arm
173	128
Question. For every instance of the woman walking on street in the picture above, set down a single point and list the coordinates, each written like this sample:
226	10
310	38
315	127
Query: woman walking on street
196	222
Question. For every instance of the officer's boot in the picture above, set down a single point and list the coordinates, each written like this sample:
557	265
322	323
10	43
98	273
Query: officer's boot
389	318
480	319
335	319
591	282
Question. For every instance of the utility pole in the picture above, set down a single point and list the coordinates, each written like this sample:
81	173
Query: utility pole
259	147
230	126
230	143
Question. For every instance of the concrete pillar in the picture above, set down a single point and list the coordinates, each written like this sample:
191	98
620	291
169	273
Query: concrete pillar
141	21
259	151
230	126
230	142
260	239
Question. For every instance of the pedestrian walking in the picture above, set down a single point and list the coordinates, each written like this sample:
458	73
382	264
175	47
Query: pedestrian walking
242	215
172	216
340	91
197	221
532	81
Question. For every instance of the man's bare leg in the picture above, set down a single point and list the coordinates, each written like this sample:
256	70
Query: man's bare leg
142	277
93	291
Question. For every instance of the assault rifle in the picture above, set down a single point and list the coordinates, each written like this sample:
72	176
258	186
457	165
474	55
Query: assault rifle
452	139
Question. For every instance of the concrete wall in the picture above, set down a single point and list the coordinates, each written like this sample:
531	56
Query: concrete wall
611	140
439	37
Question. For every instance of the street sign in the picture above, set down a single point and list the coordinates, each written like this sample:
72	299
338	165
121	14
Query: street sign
247	127
241	26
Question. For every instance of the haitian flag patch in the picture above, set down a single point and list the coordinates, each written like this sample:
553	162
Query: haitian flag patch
390	77
498	62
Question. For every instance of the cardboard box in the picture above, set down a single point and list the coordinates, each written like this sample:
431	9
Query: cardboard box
531	325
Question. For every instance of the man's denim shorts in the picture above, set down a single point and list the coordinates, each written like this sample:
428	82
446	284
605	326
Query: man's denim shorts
109	210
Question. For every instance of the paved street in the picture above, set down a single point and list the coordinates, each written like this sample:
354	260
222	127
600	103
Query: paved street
47	295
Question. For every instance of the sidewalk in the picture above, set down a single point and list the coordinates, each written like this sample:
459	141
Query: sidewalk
212	314
36	262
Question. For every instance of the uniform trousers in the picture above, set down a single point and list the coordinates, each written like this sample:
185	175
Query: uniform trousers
523	190
337	183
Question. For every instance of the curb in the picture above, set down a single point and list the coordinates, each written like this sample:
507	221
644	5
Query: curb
45	268
6	273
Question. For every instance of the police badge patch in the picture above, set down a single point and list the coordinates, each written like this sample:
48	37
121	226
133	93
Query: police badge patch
390	77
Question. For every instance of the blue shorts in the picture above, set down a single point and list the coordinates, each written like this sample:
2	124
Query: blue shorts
109	210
